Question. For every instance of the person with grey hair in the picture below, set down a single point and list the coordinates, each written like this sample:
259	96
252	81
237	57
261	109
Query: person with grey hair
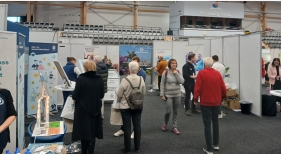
102	70
129	115
211	89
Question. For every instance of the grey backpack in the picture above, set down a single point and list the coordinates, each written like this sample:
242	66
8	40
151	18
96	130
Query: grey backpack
136	97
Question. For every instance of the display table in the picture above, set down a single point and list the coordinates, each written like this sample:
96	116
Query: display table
59	87
45	139
275	92
269	105
23	151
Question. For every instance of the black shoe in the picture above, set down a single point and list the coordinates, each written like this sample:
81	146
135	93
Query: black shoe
137	151
187	113
196	112
124	151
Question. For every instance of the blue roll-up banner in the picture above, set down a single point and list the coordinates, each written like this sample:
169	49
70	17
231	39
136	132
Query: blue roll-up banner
127	52
20	90
41	57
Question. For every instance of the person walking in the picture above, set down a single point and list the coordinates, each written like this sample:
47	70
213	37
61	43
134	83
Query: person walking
88	92
72	73
189	76
102	70
221	69
129	115
160	68
141	73
8	115
274	74
211	89
171	93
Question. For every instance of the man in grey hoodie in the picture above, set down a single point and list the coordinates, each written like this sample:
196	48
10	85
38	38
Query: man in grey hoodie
102	70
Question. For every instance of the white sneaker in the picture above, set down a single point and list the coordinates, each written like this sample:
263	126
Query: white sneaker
132	135
220	116
119	133
216	147
207	152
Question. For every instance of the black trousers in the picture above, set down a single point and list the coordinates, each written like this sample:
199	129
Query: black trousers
129	115
188	91
210	118
65	95
1	151
159	82
88	147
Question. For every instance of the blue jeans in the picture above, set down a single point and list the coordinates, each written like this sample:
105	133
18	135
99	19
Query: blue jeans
65	95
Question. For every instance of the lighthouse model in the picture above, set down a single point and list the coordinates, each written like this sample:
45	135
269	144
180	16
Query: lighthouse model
43	106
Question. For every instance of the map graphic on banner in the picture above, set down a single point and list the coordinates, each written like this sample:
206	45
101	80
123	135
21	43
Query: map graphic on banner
41	57
127	52
20	90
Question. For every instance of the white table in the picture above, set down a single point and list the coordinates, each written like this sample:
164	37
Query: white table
61	87
275	93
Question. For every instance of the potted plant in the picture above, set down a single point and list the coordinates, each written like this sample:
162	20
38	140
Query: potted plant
226	72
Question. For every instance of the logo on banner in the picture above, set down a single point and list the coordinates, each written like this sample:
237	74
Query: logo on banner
216	5
33	54
54	47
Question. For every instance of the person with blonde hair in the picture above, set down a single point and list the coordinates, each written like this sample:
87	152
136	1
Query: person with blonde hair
88	92
211	90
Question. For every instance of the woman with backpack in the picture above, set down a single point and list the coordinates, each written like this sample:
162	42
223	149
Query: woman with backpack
130	87
171	93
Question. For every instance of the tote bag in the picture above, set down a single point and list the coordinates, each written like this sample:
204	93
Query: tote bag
115	117
68	109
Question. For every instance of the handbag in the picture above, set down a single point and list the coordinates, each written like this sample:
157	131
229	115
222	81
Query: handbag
68	109
115	117
116	104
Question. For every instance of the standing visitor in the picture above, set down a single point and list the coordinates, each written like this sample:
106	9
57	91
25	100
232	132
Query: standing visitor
211	89
72	73
129	115
189	76
88	92
221	69
102	70
141	73
171	93
160	68
7	116
274	71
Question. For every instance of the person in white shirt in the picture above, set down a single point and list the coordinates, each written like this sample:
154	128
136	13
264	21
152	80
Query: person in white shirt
220	68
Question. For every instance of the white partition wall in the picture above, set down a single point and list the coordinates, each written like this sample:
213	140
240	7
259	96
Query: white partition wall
43	36
3	16
206	45
250	71
216	48
180	50
231	59
8	74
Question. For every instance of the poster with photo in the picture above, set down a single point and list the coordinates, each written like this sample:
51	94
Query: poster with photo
41	57
90	50
127	52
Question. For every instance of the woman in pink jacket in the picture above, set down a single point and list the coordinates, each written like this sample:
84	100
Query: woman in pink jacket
274	74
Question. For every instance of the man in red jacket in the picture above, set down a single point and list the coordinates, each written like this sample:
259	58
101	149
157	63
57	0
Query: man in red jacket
211	89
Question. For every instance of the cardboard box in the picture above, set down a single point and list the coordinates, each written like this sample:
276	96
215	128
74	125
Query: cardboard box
231	92
232	103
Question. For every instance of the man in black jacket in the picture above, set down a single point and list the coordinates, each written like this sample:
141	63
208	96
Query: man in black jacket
102	70
189	76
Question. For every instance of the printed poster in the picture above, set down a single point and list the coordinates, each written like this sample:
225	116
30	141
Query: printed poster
90	50
20	90
52	128
113	82
127	52
41	57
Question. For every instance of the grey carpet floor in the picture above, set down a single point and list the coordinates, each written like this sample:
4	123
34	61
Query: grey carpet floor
239	134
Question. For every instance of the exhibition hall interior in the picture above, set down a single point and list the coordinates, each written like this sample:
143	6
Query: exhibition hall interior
151	77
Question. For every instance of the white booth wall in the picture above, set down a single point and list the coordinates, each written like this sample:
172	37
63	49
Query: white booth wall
3	16
8	78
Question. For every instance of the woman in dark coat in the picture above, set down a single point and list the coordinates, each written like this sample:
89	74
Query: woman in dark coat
88	92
